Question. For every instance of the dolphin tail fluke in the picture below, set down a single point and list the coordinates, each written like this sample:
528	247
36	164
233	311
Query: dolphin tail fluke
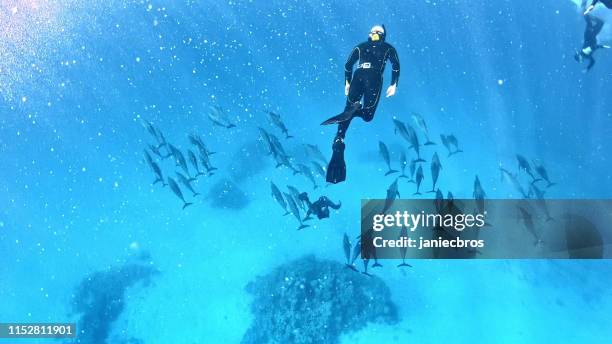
302	226
404	265
352	267
377	265
231	126
550	184
186	205
158	180
366	273
429	143
412	181
192	179
390	172
432	190
288	136
419	160
403	175
196	194
286	213
417	193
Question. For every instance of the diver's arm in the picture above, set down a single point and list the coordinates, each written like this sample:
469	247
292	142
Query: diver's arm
395	64
395	71
348	66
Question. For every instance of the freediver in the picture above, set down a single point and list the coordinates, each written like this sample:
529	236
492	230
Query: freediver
591	7
365	83
593	27
319	207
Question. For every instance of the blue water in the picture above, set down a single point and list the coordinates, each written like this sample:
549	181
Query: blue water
77	80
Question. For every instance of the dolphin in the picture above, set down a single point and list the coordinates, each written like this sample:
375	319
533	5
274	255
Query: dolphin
186	182
452	140
276	120
527	219
315	153
194	162
392	192
439	201
218	117
177	191
414	142
540	201
541	171
523	165
403	163
278	196
346	245
384	152
419	179
511	178
435	170
419	121
320	169
306	171
446	144
155	168
295	211
401	128
403	249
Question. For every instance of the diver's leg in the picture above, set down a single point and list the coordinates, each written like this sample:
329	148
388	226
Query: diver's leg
352	101
371	96
328	203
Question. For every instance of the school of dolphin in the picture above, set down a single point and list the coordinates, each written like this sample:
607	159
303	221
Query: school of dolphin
530	180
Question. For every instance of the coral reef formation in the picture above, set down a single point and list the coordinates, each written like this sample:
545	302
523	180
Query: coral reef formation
315	301
100	299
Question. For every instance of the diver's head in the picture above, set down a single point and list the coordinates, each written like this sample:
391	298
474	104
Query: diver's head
377	33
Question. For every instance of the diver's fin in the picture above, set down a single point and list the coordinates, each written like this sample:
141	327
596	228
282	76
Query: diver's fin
390	172
344	116
336	169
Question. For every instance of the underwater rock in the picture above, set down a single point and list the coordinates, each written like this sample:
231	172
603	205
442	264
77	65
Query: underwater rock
315	301
226	194
100	299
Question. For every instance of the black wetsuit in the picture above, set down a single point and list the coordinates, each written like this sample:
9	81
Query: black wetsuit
367	81
593	27
320	207
607	3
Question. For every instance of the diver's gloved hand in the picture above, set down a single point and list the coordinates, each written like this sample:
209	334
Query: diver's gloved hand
391	91
589	9
347	86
